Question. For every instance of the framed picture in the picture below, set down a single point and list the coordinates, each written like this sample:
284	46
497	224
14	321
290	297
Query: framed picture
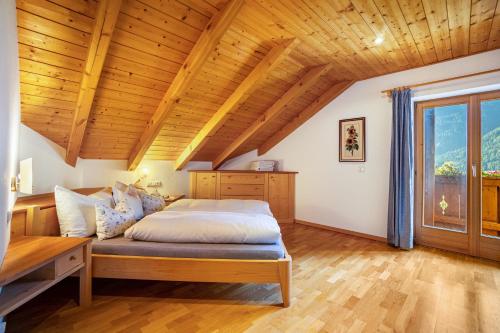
352	134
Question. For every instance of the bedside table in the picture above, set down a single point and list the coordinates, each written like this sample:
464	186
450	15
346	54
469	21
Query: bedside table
34	264
173	198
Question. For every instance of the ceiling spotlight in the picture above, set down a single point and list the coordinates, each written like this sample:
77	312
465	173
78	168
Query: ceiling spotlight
379	40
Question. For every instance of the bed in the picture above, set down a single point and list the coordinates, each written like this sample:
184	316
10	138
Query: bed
124	258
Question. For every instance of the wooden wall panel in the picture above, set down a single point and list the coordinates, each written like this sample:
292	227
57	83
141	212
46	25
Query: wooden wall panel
481	19
153	38
144	56
85	7
494	40
102	32
414	14
53	42
206	41
459	23
239	96
437	17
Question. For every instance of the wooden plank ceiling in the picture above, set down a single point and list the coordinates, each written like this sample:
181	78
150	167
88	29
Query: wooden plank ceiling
153	41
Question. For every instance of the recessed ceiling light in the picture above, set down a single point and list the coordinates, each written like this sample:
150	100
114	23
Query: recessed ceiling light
379	40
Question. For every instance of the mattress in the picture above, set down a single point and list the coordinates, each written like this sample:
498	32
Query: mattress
130	247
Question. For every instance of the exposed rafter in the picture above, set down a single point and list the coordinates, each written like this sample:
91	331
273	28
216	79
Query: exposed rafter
153	38
239	96
209	38
105	21
306	114
299	88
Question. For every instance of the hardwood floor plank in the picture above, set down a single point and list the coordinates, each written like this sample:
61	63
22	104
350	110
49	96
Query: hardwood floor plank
340	283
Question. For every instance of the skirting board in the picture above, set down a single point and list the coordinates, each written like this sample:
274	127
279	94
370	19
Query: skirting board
342	231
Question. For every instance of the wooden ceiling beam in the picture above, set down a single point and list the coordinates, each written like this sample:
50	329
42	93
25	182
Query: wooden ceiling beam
209	38
313	108
105	21
299	88
242	92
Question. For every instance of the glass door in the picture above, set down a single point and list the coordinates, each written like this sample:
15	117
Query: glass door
489	242
458	174
443	174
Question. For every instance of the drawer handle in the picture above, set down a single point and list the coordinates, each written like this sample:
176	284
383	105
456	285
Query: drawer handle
72	258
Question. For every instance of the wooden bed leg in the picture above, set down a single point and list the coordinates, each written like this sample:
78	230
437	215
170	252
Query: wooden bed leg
86	277
285	272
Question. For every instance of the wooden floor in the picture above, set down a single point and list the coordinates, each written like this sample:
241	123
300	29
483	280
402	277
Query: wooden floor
340	284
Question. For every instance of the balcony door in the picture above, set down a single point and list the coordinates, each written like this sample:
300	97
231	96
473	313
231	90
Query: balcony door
458	174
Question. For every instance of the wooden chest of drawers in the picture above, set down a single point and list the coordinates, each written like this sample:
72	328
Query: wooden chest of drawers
277	188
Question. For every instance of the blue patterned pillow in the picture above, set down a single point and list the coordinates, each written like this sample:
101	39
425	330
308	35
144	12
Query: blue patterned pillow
151	203
113	222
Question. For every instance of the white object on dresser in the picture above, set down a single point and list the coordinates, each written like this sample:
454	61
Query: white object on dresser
263	165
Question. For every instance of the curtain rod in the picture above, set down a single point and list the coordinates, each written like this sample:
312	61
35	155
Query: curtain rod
388	92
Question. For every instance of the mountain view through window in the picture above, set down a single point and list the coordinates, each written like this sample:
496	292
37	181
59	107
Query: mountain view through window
451	143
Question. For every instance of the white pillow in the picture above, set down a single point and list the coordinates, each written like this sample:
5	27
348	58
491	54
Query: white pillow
76	212
133	201
151	203
104	195
113	222
122	187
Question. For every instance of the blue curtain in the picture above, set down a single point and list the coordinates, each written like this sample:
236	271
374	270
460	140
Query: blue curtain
401	189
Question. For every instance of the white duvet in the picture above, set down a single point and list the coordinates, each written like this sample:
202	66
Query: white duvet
209	221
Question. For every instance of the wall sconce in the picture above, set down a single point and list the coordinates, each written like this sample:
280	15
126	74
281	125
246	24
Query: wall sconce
144	175
24	181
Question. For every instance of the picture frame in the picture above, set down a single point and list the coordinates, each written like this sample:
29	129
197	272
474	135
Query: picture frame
352	140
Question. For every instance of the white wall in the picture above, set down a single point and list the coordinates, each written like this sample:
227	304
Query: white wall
354	196
9	116
49	168
9	120
97	173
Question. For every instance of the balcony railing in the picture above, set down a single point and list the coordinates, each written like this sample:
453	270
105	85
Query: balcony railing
450	202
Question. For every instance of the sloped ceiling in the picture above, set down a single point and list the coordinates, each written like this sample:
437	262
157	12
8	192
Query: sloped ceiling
152	39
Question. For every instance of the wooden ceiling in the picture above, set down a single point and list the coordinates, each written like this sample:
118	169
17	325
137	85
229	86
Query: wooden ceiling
208	80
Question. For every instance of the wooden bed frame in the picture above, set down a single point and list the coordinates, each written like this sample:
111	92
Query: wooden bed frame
41	220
